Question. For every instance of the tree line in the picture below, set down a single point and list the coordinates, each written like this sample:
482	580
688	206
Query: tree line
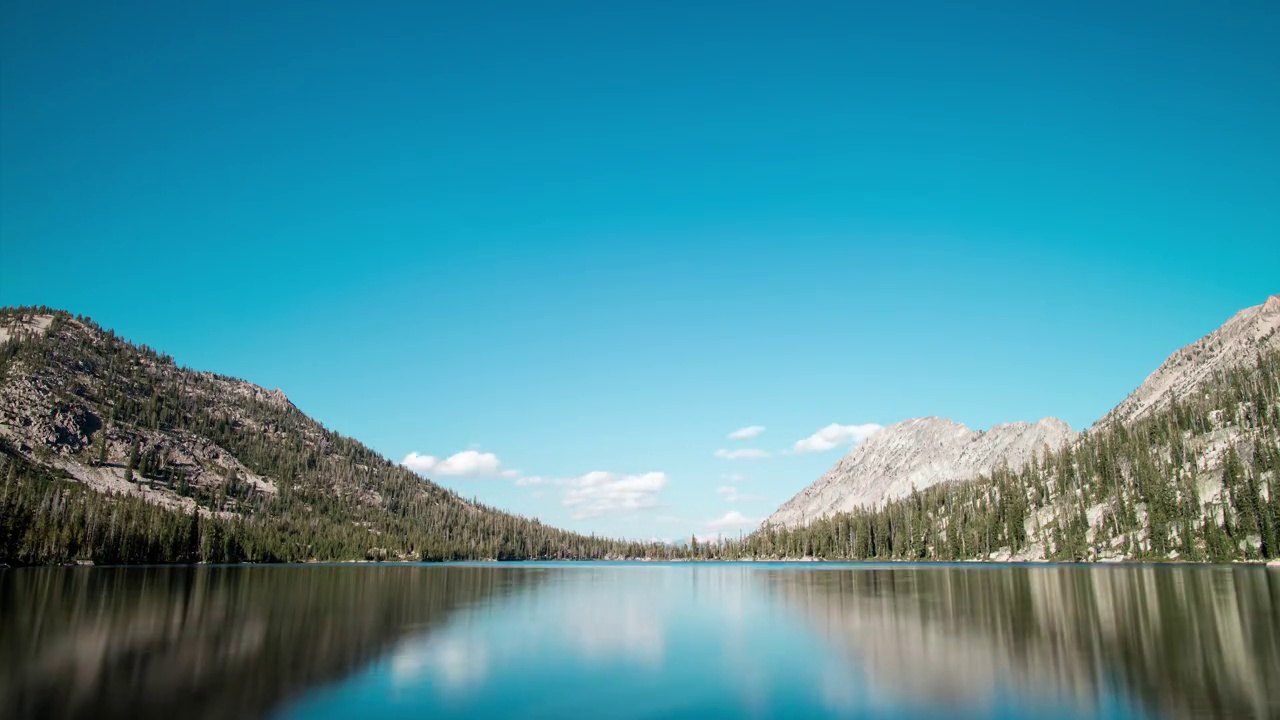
1140	491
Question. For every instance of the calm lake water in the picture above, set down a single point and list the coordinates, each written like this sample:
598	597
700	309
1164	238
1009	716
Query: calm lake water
563	641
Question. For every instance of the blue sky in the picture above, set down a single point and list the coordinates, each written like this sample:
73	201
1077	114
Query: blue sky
589	238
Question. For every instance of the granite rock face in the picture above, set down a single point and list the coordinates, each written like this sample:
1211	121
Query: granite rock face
1238	341
921	452
916	454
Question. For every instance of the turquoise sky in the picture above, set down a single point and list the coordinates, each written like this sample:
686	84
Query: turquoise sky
599	237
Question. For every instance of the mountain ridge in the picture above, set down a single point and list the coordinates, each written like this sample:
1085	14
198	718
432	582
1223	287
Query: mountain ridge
918	453
1238	340
190	465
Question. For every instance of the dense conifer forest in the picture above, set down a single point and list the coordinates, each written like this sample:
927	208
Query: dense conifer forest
217	470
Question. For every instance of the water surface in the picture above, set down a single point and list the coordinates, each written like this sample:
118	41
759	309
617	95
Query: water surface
625	641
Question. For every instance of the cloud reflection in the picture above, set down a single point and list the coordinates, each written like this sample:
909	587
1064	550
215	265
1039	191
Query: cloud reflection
452	662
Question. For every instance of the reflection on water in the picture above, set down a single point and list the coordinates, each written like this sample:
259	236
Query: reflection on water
1176	642
640	641
209	642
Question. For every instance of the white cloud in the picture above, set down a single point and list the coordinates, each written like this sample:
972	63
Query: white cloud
468	463
733	477
835	435
420	464
732	494
599	492
747	432
732	520
743	454
532	480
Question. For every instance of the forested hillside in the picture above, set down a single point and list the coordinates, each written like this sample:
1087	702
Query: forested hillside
1196	480
109	452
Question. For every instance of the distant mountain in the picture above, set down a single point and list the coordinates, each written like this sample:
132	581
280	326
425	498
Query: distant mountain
112	453
917	454
923	452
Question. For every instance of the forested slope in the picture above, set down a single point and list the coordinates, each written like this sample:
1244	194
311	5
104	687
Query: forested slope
110	452
1194	480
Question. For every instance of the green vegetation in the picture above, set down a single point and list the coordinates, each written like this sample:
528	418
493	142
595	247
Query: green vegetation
1140	483
336	499
1140	491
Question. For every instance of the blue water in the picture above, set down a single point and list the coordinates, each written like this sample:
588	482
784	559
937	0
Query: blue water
629	641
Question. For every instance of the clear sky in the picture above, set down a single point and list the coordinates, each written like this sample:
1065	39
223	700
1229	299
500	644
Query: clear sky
599	237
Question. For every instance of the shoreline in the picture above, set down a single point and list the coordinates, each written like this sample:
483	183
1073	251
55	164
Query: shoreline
1272	564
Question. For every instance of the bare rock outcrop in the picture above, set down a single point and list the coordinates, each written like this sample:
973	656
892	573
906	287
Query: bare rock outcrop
916	454
1238	341
919	453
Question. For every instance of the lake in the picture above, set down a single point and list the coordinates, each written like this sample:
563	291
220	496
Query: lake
636	640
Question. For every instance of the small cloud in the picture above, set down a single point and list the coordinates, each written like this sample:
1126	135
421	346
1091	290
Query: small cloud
420	464
468	463
747	432
743	454
523	480
835	435
600	492
732	520
733	477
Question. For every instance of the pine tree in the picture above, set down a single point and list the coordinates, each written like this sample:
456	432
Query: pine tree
132	463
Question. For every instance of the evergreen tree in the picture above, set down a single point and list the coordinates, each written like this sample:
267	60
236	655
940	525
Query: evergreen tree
131	463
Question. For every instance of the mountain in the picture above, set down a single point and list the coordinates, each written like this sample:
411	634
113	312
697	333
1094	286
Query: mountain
923	452
110	452
1240	340
1187	468
916	454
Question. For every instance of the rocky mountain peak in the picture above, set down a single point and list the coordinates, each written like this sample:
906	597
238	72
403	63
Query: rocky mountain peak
915	454
918	453
1239	340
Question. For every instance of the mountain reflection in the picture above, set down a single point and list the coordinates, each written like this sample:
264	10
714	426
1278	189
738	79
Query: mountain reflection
628	641
1180	642
211	642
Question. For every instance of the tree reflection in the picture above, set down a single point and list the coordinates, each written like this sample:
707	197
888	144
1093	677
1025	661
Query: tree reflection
211	642
1182	642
